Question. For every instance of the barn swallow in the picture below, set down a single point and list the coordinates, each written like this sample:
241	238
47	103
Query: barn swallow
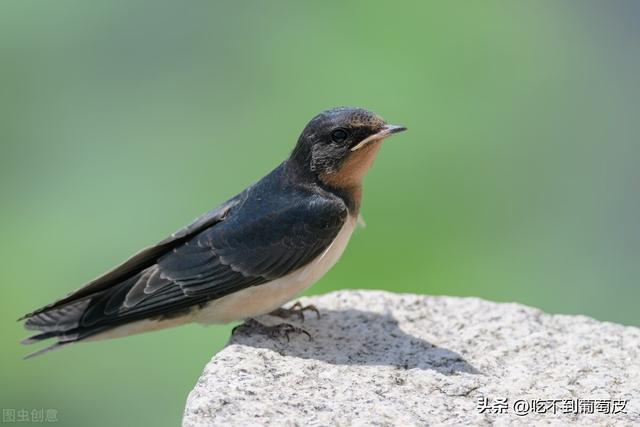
245	258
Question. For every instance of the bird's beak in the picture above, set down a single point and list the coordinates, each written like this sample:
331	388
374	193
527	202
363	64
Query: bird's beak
387	130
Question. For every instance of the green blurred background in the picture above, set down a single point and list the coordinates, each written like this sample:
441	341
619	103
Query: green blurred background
120	121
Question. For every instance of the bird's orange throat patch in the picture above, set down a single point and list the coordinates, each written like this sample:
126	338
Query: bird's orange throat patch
352	171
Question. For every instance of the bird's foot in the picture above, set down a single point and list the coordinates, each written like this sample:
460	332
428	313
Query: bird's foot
296	309
274	331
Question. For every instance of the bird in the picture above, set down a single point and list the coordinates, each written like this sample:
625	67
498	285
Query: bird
243	259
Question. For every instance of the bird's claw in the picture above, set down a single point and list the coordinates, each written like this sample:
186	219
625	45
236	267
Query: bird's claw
296	309
274	331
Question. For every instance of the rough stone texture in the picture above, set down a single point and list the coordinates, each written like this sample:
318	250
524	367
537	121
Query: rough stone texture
383	359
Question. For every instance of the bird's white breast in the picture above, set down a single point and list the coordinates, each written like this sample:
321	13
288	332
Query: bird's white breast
262	299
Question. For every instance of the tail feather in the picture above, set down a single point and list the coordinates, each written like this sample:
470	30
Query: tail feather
80	319
56	346
107	309
38	337
59	319
59	323
62	323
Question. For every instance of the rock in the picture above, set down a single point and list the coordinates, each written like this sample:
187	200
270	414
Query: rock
385	359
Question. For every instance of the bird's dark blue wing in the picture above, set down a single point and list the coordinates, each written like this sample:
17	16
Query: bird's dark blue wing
248	247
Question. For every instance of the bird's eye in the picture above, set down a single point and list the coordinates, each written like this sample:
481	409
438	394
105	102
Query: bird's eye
339	135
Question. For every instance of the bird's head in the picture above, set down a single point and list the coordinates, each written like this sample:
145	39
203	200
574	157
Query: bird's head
339	145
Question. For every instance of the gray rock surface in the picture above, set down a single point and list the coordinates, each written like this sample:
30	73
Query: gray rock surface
386	359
